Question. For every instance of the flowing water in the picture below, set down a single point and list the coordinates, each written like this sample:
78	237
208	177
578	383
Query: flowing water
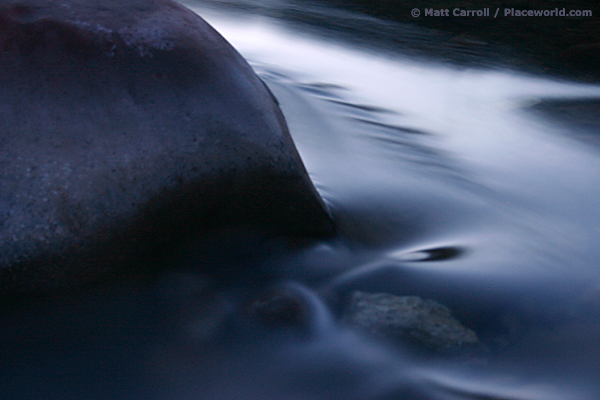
475	187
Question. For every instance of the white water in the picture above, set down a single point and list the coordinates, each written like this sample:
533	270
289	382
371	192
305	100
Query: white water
413	156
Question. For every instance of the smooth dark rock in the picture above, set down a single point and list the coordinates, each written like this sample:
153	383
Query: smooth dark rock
293	308
127	125
280	308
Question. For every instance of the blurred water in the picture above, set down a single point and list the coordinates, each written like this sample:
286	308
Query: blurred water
444	183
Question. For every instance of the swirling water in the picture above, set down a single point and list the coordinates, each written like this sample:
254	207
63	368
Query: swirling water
447	182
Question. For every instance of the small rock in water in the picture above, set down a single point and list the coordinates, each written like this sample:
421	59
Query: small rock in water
279	309
127	125
411	319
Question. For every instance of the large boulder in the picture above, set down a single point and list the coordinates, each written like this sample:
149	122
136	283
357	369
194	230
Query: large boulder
126	125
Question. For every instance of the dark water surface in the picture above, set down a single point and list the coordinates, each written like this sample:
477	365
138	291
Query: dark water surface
478	188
